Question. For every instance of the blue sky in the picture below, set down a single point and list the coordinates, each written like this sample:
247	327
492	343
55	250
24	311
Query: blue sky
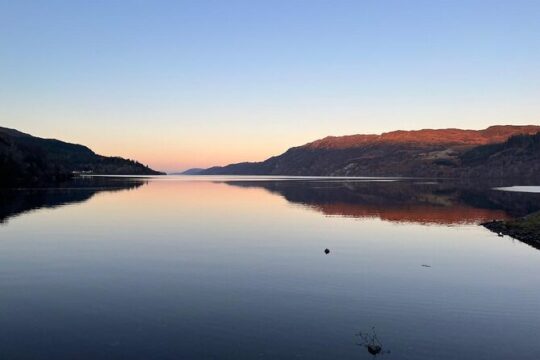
195	83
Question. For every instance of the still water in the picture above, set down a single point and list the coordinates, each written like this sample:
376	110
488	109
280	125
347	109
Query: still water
234	268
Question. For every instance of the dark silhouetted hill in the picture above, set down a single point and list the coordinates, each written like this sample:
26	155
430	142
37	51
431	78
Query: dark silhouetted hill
28	159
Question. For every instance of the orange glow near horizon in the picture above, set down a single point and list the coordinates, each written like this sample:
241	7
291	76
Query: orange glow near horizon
172	158
172	151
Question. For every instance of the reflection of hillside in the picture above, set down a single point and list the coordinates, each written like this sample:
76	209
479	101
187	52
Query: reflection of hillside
14	202
423	214
404	201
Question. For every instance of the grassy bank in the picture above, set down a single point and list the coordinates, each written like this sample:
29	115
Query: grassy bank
526	229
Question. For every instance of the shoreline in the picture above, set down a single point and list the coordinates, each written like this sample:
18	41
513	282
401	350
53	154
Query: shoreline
525	229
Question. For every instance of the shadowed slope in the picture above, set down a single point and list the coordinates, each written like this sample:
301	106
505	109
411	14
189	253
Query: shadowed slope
27	159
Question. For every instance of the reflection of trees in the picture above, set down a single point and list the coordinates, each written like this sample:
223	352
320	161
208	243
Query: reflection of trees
404	201
14	202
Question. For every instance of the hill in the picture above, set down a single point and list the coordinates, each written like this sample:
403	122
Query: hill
192	171
519	156
434	153
28	159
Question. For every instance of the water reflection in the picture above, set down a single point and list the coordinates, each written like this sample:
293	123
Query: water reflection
444	203
14	202
222	269
403	201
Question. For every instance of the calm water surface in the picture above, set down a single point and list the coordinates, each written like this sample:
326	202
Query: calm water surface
234	268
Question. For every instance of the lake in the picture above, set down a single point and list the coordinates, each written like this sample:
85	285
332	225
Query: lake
196	267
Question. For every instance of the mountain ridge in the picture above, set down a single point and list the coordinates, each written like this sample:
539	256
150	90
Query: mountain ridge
426	152
448	136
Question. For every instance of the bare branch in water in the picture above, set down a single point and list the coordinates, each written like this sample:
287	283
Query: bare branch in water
371	342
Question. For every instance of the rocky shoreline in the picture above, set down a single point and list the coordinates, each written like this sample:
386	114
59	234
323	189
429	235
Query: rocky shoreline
525	229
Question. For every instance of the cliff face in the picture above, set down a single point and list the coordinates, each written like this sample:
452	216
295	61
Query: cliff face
28	159
439	153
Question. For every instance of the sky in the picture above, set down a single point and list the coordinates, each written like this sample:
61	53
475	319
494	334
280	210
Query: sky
181	84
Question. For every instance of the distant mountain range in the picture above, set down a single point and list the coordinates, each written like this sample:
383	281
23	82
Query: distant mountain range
192	171
498	151
29	159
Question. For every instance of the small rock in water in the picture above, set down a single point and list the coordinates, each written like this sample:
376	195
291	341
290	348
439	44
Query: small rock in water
425	265
326	251
374	349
